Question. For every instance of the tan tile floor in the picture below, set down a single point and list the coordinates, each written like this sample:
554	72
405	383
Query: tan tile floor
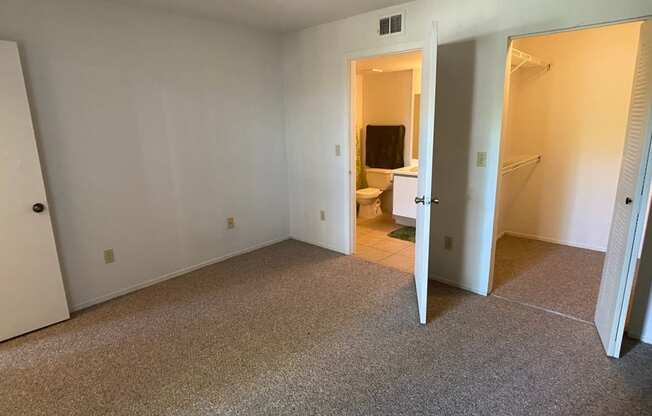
374	245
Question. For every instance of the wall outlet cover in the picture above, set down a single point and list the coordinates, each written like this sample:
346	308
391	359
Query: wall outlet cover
482	160
109	257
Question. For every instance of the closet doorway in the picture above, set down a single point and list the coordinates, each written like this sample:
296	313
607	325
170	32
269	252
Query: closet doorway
572	148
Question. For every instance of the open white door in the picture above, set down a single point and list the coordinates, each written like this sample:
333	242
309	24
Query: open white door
426	149
31	288
626	226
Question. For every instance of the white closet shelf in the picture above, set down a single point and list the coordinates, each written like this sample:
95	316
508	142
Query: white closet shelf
522	59
517	163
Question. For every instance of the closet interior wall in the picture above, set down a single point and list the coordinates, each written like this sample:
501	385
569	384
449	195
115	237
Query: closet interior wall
574	115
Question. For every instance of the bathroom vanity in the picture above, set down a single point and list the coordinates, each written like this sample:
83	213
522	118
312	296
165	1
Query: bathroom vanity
405	190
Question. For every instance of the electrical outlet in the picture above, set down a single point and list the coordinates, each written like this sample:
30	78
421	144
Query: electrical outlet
481	161
448	242
230	223
322	215
108	256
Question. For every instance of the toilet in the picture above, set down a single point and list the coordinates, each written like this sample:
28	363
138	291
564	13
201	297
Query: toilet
378	180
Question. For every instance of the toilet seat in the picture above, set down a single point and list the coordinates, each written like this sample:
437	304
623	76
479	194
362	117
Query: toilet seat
369	193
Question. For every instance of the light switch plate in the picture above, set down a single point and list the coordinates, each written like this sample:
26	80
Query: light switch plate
481	161
230	223
322	215
448	243
338	150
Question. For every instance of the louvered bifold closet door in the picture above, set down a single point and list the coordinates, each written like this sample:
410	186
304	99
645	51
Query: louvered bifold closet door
620	260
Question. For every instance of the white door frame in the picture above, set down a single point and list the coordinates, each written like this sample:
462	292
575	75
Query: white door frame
350	59
505	114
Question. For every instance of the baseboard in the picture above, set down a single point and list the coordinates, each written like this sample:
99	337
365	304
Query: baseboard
458	285
554	241
431	277
320	244
634	335
405	221
147	283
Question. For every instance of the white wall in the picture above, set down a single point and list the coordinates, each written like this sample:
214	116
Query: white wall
473	44
416	90
153	130
387	100
359	133
575	115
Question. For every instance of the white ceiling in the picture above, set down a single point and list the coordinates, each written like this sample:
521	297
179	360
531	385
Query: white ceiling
272	15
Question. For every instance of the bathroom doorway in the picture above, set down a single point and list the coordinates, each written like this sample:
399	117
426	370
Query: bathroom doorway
386	92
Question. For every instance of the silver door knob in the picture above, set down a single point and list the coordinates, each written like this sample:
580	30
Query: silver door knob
420	200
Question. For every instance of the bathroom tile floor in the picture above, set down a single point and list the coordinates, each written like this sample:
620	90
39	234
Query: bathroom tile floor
374	245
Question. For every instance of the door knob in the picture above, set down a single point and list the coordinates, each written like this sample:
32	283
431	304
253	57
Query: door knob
420	200
628	201
38	207
434	201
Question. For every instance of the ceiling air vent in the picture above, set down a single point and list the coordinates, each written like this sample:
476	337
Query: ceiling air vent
390	25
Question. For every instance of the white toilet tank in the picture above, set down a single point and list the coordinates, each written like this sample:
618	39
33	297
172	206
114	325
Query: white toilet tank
379	178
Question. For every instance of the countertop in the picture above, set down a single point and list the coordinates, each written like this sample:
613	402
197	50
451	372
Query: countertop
410	171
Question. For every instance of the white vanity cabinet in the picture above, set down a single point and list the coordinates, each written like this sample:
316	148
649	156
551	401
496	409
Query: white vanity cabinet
405	190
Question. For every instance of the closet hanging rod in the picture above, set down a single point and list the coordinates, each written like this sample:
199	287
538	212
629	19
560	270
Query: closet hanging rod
528	160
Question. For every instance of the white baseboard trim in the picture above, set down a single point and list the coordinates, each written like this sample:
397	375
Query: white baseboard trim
319	244
554	241
646	340
405	221
168	276
458	285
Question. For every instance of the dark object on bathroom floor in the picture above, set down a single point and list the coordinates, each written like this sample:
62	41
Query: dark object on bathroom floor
404	233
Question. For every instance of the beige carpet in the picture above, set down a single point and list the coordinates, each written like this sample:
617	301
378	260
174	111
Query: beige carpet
297	330
551	276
